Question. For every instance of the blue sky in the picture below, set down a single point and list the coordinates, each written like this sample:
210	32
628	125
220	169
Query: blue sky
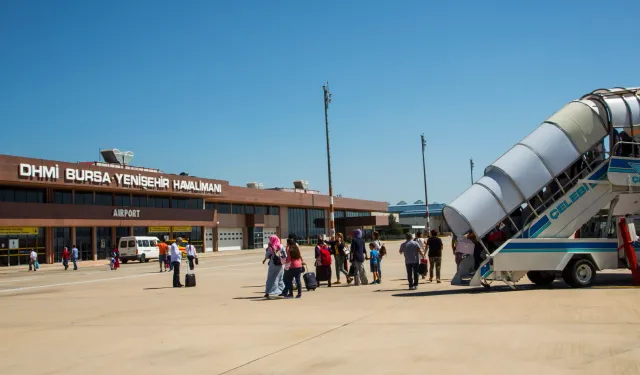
233	90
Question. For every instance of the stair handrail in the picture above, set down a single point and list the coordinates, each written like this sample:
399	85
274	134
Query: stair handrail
553	198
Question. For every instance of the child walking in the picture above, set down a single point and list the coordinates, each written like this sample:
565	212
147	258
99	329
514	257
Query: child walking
374	262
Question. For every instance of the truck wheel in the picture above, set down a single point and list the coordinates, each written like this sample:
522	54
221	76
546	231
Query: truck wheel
541	277
579	273
124	261
143	258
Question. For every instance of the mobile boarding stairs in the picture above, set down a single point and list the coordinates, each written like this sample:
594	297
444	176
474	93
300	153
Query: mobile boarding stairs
547	186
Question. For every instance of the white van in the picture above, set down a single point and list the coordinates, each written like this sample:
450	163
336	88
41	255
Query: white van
138	248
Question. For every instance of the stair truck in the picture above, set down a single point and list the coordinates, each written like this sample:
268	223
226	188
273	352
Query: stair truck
542	190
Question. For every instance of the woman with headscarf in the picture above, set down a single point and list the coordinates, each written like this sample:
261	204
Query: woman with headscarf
357	257
275	254
340	255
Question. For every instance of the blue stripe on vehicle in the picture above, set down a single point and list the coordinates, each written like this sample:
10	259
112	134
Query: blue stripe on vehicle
537	233
535	228
569	251
621	170
600	173
618	162
561	245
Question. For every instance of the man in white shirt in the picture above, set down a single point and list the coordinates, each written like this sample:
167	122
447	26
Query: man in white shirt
176	259
191	255
33	259
421	242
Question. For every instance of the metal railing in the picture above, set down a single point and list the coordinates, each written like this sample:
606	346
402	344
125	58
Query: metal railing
588	166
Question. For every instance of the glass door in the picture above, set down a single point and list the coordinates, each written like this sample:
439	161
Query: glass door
258	238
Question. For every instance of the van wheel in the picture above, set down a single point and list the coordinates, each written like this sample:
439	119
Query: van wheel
143	258
579	273
541	277
124	261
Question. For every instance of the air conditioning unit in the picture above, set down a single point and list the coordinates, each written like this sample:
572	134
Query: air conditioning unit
254	185
301	184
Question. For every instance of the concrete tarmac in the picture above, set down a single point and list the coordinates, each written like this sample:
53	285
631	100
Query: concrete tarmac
96	321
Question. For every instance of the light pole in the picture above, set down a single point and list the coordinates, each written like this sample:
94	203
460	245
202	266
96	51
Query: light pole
471	166
327	100
424	170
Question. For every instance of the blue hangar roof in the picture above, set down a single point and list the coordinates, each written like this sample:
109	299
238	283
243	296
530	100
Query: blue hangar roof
435	209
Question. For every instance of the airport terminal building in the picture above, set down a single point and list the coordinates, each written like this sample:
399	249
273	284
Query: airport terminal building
46	205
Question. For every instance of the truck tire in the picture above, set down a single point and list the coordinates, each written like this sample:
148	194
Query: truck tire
143	258
124	261
579	273
541	277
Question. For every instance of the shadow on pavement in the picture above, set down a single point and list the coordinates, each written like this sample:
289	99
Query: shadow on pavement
158	288
448	292
253	286
603	281
248	298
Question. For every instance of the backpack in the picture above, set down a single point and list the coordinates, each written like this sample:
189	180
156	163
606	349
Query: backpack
275	257
383	251
325	257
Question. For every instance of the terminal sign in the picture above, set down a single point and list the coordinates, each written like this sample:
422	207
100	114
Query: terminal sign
126	213
53	173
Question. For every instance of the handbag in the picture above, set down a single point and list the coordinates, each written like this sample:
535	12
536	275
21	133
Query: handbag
37	265
197	263
353	271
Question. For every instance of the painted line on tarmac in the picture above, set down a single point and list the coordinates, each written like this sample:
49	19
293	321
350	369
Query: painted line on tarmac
108	279
20	279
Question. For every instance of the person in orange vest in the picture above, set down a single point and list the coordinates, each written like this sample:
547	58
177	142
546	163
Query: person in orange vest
162	258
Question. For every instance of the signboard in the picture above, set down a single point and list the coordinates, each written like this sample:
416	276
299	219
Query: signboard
18	231
124	180
182	229
103	243
126	213
13	244
159	230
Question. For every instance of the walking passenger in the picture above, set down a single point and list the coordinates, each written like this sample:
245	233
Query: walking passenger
381	250
374	262
478	250
287	266
176	259
463	248
33	260
295	262
74	257
338	248
358	256
275	275
65	258
162	258
412	253
422	245
116	258
434	246
191	255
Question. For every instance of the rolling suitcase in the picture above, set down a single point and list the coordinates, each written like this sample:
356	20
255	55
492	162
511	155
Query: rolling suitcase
310	281
323	273
190	280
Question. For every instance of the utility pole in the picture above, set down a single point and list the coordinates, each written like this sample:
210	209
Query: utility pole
471	165
424	170
327	100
